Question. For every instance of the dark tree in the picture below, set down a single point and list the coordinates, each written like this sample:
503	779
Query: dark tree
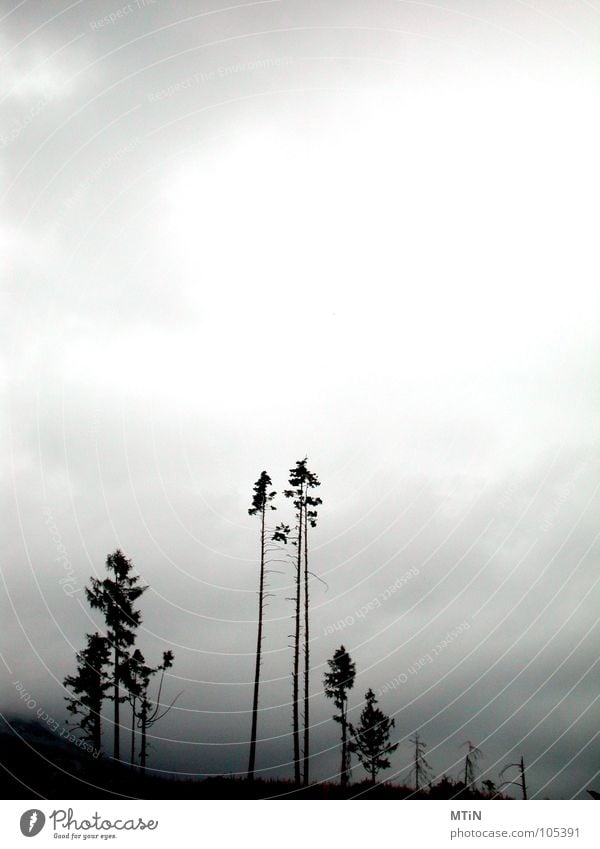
89	686
301	481
445	788
490	788
520	782
371	740
471	762
115	597
421	767
260	504
132	668
337	682
148	712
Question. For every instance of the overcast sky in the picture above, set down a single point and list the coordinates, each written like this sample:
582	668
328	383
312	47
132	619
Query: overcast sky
365	232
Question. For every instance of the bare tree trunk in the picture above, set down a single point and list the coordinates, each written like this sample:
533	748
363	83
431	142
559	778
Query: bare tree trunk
344	775
523	785
258	650
296	671
143	748
97	732
132	758
306	658
417	782
116	697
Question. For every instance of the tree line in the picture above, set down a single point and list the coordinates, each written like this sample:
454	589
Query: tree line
112	668
370	740
301	483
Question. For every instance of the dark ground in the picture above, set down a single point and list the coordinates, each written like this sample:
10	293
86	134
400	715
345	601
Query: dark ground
35	764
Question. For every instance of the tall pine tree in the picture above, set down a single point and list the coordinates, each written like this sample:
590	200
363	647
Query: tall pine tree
337	682
301	481
115	597
89	686
261	502
371	739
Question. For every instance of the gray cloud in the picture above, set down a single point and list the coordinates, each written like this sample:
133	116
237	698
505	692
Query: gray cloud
358	232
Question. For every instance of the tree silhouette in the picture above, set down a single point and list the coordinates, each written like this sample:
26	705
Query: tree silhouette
302	480
115	598
148	713
520	782
471	762
131	667
89	686
260	504
421	767
337	682
490	788
445	788
371	739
